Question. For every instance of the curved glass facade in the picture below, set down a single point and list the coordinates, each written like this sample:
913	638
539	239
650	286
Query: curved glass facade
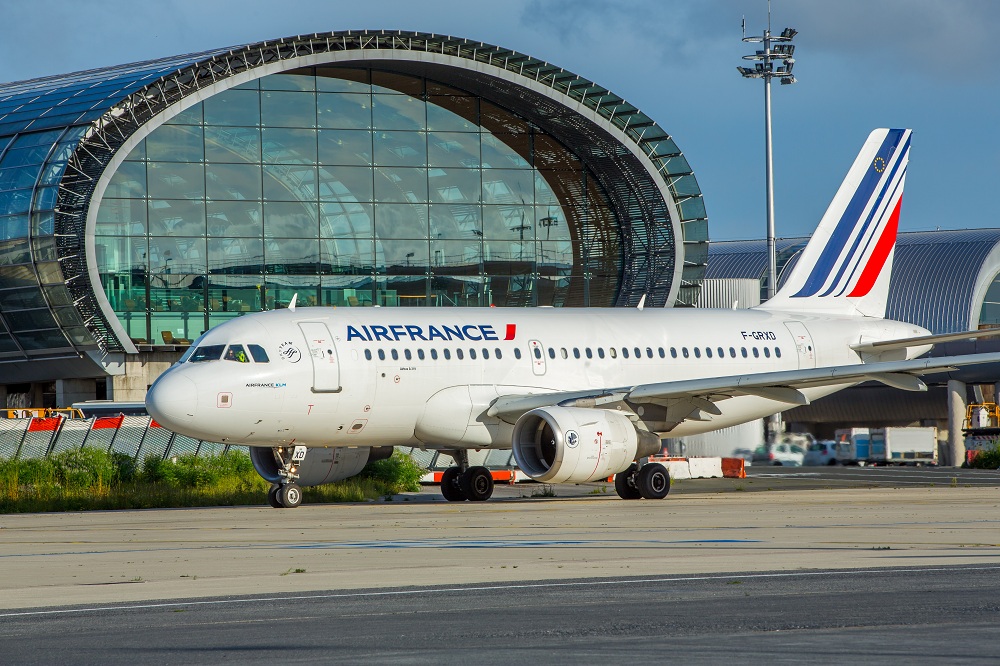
350	187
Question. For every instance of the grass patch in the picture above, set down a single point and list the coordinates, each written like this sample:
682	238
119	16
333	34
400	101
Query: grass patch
987	459
92	479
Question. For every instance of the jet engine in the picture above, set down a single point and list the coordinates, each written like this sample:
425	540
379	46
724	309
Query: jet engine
575	445
320	465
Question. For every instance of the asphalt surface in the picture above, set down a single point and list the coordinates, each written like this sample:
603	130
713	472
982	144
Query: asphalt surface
919	615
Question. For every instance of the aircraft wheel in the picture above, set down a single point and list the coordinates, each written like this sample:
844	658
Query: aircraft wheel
450	488
477	484
623	487
274	497
290	496
653	481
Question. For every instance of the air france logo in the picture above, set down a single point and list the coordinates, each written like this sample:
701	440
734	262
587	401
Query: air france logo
289	352
399	332
572	439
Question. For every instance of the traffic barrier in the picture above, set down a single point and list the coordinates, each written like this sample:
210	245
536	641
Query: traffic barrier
503	475
734	468
705	468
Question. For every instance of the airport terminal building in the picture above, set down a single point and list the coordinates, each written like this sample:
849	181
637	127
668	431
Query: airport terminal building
144	203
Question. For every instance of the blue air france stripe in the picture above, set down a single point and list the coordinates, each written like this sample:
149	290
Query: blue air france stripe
873	196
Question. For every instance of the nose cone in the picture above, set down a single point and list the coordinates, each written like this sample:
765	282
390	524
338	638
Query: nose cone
172	401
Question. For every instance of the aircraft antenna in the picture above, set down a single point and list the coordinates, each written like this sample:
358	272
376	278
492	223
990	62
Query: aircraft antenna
642	302
291	304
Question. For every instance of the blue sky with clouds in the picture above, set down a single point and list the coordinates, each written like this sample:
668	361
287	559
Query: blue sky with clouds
930	65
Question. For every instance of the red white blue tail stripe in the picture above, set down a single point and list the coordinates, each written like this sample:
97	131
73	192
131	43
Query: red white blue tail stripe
862	240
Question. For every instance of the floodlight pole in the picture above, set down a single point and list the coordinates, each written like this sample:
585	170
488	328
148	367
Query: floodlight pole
772	259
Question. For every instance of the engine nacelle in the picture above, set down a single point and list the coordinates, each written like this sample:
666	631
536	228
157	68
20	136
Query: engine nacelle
576	445
320	465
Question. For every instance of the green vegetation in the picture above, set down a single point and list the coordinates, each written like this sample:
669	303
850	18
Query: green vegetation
90	479
988	459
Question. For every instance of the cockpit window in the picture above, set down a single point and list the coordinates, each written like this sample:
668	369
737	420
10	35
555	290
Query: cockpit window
236	353
187	354
207	353
258	353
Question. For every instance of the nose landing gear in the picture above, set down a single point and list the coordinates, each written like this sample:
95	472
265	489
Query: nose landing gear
286	494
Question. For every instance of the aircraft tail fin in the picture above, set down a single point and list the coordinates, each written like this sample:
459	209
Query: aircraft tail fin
845	267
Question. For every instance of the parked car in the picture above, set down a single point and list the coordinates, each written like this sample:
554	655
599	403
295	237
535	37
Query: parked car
823	452
746	454
779	454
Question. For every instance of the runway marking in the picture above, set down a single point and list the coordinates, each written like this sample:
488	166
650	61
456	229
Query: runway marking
493	588
505	543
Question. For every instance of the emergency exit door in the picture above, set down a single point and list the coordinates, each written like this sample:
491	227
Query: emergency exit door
323	355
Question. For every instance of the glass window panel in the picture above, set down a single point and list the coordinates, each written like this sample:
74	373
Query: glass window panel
37	139
346	184
291	256
512	252
398	112
176	218
236	255
345	219
455	185
347	255
289	182
280	289
453	114
506	222
298	80
289	146
7	343
249	85
344	110
120	253
400	148
506	151
128	181
232	181
235	293
170	317
555	257
232	144
58	295
288	109
18	178
21	299
551	223
38	340
233	107
348	147
692	209
44	248
190	116
456	256
401	221
235	219
13	226
401	184
15	201
43	224
683	186
508	186
68	317
176	143
512	290
343	79
401	257
137	154
403	290
453	149
460	290
291	220
456	221
176	180
16	276
171	259
392	83
15	157
14	252
569	185
26	320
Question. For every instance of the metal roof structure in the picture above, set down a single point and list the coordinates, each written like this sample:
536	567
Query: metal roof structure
939	278
59	134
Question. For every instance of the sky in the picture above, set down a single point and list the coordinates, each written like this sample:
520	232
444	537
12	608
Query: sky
929	65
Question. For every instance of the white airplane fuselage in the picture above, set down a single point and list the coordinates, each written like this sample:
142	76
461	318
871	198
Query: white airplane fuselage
427	376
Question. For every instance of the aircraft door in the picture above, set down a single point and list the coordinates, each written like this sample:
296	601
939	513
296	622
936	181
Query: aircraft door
323	353
537	352
803	344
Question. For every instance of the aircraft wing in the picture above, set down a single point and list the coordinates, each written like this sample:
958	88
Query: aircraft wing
690	396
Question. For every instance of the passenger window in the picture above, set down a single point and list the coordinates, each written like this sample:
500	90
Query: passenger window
517	353
420	354
732	352
673	352
777	352
624	352
638	352
722	353
767	352
612	352
576	352
552	352
498	353
756	354
708	352
207	353
395	355
258	353
563	353
486	353
434	354
459	354
447	354
697	352
538	352
472	353
236	353
381	354
600	352
684	352
744	350
407	355
588	352
662	353
368	354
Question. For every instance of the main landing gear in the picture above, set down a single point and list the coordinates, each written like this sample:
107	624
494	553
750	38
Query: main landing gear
286	494
651	481
466	483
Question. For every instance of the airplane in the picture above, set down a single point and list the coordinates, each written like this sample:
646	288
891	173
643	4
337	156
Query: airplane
579	394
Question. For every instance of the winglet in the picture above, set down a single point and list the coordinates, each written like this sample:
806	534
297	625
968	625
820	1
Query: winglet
291	304
642	302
